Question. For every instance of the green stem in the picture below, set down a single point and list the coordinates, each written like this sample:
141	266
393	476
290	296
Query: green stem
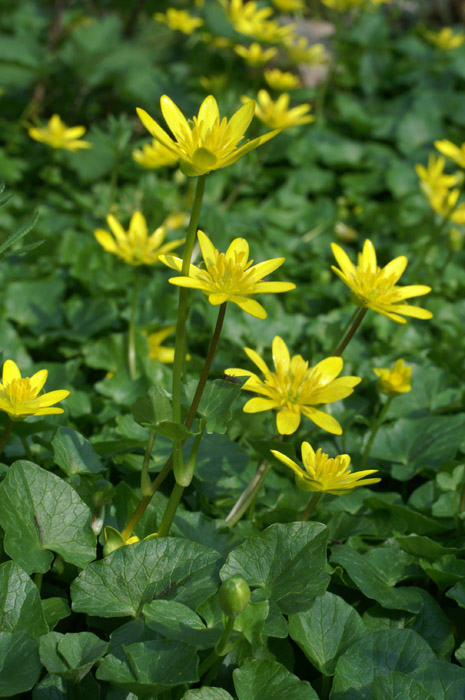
346	340
170	511
374	429
249	494
38	580
145	480
346	328
310	507
132	354
135	517
5	436
220	648
27	449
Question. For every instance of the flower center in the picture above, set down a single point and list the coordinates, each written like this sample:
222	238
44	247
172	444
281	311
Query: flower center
232	275
20	391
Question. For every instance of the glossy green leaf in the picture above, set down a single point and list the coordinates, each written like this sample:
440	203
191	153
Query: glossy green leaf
55	609
72	655
20	606
178	622
74	454
443	680
269	680
207	694
397	686
216	403
18	650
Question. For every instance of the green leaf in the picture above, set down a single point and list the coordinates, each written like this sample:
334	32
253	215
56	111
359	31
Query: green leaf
207	694
53	687
154	411
445	571
74	454
326	630
269	680
20	606
457	593
377	654
41	514
251	622
178	622
445	681
424	547
279	561
149	668
397	686
55	609
25	228
72	655
405	518
216	403
130	577
18	650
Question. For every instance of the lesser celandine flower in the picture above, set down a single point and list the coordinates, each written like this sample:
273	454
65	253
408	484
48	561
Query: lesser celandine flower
245	16
154	155
300	51
323	474
445	203
157	350
230	276
179	20
289	5
445	39
294	389
282	80
276	113
433	177
135	246
209	144
57	135
396	380
20	396
254	54
449	149
376	288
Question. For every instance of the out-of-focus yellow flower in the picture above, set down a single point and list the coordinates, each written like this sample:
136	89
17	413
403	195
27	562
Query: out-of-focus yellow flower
289	5
218	42
396	380
445	203
179	20
445	39
154	155
157	351
282	80
300	51
375	288
276	114
209	144
323	474
230	276
433	177
254	54
295	388
345	5
273	33
135	246
19	396
244	16
57	135
455	153
213	83
175	221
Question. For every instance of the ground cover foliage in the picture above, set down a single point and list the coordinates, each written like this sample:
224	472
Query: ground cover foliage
109	588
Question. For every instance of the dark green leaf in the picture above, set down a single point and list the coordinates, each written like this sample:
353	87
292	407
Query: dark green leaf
55	609
269	680
178	622
18	650
20	606
72	655
74	454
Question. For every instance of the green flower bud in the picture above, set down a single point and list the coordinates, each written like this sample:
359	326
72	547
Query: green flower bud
234	595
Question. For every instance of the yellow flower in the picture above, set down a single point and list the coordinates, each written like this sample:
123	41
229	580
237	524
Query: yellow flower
343	5
444	202
213	83
300	51
433	177
273	33
175	221
444	39
209	144
396	380
295	388
135	246
289	5
57	135
276	114
254	54
19	397
179	20
229	276
452	151
245	16
154	155
323	474
157	351
279	80
375	288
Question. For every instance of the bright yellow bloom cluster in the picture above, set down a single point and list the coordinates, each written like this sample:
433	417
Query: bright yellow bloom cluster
396	380
449	149
179	20
209	144
300	51
156	350
249	19
135	246
376	288
445	39
436	185
276	114
57	135
254	54
230	276
289	5
154	155
323	474
294	389
19	396
346	5
282	80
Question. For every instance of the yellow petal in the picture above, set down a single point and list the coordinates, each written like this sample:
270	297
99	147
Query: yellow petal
308	454
273	287
343	261
329	369
48	411
240	121
217	298
249	146
267	267
157	132
209	115
75	132
257	405
287	420
52	397
413	290
38	380
395	268
322	420
188	282
117	230
209	252
369	257
175	119
288	462
413	311
250	306
238	247
106	240
257	360
10	372
281	356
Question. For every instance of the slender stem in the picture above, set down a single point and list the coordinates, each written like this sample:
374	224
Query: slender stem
346	328
5	435
346	340
27	449
249	494
170	511
220	648
145	480
135	517
38	580
374	429
310	507
132	354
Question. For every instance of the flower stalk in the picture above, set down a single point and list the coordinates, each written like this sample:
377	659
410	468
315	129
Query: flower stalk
374	430
6	435
249	494
310	507
347	337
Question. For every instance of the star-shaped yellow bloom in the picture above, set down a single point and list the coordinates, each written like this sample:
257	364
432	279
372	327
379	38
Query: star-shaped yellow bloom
57	135
289	5
179	20
323	474
445	39
19	396
449	149
396	380
276	113
209	144
433	177
300	51
376	288
254	54
294	389
135	246
230	276
154	155
282	80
